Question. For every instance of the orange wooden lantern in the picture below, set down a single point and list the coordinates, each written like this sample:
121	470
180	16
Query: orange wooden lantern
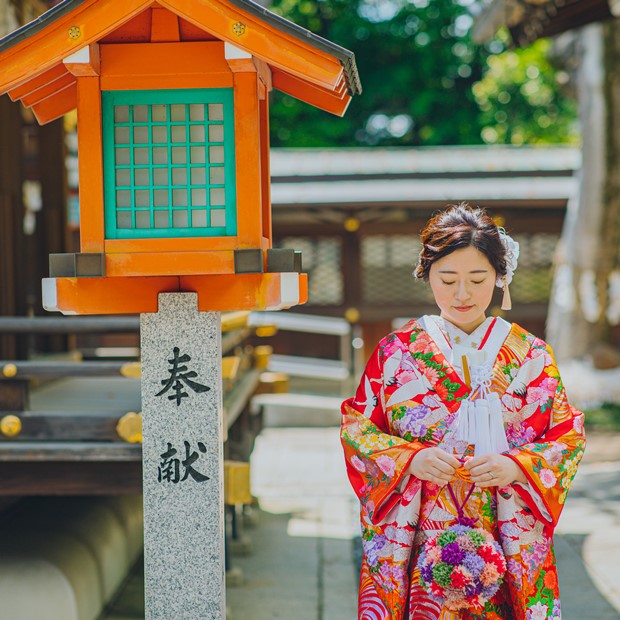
173	123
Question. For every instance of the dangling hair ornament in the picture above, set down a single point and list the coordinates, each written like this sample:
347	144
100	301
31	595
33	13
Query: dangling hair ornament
512	257
417	266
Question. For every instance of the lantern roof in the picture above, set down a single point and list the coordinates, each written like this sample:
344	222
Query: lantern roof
302	64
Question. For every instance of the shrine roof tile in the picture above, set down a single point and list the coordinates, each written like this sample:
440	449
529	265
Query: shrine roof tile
344	56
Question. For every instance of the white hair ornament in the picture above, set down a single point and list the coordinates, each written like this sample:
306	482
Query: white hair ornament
512	258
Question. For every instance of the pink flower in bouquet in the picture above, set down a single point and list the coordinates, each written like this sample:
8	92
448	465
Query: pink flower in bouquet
468	545
452	600
489	574
434	554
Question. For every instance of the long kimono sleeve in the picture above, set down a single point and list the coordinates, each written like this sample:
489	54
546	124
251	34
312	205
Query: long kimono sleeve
376	460
549	460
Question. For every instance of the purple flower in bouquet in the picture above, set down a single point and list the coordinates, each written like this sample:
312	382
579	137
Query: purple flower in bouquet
460	529
426	568
473	563
452	554
471	589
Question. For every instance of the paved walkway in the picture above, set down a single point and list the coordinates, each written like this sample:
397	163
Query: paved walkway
588	535
302	565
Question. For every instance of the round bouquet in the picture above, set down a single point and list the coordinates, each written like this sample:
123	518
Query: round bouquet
462	568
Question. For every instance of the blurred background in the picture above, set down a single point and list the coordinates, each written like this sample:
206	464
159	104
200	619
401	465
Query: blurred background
512	105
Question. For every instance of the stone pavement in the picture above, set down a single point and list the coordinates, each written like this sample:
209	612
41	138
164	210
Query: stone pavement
302	564
588	535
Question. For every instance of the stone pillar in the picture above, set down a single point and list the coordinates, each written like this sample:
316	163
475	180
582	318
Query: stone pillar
183	461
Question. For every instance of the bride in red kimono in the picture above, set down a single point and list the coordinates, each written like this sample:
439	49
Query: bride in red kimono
461	418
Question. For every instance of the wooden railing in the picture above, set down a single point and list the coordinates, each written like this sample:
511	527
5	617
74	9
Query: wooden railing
95	449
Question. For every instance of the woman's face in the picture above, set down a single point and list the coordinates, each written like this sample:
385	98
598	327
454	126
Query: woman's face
462	283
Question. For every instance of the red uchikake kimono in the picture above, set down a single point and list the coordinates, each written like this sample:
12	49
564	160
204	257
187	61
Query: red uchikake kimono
408	399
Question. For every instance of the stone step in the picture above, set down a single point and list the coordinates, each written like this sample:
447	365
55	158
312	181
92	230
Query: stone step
298	410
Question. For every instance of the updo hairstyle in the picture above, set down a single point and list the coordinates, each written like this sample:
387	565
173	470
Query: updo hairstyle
460	226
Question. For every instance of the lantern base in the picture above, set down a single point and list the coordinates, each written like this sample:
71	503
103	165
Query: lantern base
134	295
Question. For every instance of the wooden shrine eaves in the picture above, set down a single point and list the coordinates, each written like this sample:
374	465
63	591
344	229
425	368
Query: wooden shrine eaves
304	65
345	56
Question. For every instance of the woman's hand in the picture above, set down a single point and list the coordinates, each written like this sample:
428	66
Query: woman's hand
494	470
434	465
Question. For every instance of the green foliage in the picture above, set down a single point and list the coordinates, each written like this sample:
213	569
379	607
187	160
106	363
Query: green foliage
521	99
424	81
603	418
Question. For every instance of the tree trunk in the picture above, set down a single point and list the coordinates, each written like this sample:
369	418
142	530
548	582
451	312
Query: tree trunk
568	330
610	246
589	250
8	17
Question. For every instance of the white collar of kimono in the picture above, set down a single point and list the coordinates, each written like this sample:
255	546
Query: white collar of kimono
481	347
479	421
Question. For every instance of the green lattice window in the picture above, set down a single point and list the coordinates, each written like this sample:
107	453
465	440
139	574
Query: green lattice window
169	163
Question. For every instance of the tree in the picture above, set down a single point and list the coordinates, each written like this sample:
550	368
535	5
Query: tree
585	304
522	98
425	82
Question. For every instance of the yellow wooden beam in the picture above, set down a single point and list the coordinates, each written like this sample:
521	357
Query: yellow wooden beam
237	483
234	320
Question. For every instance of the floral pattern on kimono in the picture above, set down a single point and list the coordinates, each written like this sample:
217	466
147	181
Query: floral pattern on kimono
408	399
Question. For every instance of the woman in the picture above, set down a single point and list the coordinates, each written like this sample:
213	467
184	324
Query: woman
461	419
